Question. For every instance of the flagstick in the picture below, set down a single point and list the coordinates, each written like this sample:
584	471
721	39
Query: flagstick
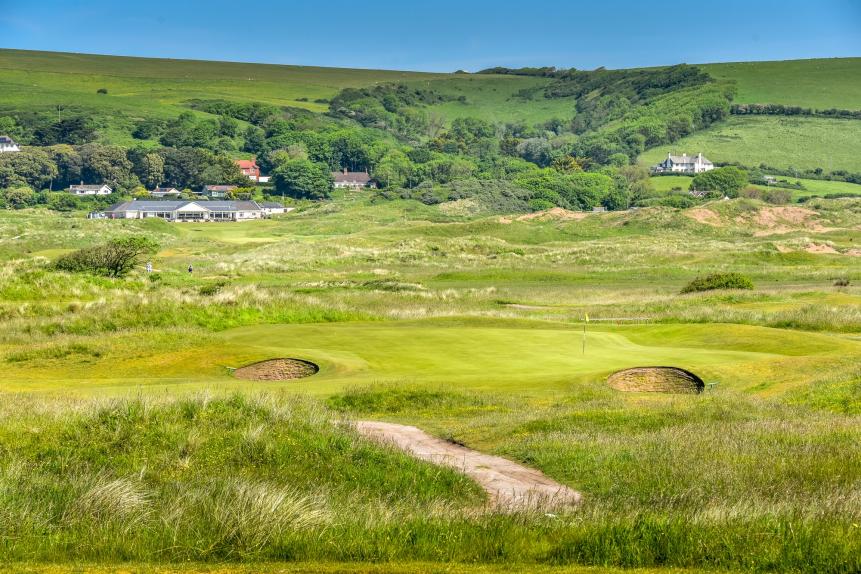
584	337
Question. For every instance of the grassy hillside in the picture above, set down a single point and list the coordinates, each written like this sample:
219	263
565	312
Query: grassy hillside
820	84
782	142
146	86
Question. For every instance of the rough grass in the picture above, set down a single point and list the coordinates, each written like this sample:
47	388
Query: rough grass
470	328
236	478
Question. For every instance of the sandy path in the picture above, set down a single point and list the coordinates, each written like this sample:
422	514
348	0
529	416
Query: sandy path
510	485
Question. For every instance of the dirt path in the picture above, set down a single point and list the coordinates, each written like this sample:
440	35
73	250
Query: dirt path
511	486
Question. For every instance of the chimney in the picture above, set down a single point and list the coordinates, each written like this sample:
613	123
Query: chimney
345	171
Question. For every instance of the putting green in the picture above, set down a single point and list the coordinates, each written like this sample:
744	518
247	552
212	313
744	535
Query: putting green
510	355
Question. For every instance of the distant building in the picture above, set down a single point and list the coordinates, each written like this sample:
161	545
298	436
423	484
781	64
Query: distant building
273	208
165	192
684	164
82	189
249	169
218	191
187	211
352	179
7	144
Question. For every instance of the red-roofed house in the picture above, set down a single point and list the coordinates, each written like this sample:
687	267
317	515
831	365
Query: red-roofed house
250	169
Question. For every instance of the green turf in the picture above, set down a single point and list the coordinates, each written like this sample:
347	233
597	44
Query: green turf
782	142
818	83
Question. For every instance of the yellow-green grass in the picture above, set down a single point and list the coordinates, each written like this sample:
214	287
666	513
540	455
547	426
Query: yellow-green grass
531	357
666	183
329	568
782	142
817	83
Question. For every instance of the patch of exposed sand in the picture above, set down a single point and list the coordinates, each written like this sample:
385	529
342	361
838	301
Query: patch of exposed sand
511	486
554	214
785	219
853	253
820	248
704	215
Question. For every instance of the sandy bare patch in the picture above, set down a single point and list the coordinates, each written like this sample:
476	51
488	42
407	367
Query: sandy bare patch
785	219
784	248
704	215
511	486
554	214
656	380
276	370
820	248
853	253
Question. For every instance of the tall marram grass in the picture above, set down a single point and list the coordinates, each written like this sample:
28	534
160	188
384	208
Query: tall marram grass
269	477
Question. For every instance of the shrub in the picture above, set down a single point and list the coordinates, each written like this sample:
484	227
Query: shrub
102	91
727	180
113	259
718	281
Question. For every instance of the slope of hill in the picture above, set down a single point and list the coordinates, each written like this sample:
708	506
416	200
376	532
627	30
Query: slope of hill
777	141
821	83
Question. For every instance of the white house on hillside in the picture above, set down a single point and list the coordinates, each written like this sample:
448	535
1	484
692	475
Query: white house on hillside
684	164
90	189
165	191
7	144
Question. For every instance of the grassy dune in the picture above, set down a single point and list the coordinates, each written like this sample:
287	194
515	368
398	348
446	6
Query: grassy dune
125	439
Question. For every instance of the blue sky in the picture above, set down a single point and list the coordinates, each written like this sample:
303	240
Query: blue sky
441	35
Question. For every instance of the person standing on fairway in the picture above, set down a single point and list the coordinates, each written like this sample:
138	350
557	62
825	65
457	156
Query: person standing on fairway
149	266
190	268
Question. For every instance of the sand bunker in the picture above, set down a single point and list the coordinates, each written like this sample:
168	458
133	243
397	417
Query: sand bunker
277	370
656	380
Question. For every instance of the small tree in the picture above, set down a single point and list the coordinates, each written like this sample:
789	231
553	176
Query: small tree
113	259
727	180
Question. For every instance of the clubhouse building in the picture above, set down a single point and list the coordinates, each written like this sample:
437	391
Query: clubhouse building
180	211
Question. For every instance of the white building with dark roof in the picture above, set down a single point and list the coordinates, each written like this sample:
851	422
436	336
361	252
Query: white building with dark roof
7	144
99	189
180	211
684	164
165	191
352	179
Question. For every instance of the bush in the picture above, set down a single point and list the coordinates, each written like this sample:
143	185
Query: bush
718	281
113	259
727	180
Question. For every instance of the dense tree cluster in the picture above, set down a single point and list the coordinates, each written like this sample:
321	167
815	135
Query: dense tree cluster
782	110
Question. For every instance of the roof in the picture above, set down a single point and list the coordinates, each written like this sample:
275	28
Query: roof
246	163
89	187
351	176
686	158
219	187
173	205
165	190
6	140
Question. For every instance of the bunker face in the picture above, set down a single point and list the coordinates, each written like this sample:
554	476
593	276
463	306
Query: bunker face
656	380
277	370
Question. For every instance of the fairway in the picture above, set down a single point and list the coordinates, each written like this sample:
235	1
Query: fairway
529	357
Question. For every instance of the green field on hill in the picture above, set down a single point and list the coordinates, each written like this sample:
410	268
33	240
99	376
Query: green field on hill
818	84
780	142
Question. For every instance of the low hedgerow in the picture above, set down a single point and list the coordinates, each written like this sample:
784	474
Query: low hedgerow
718	281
